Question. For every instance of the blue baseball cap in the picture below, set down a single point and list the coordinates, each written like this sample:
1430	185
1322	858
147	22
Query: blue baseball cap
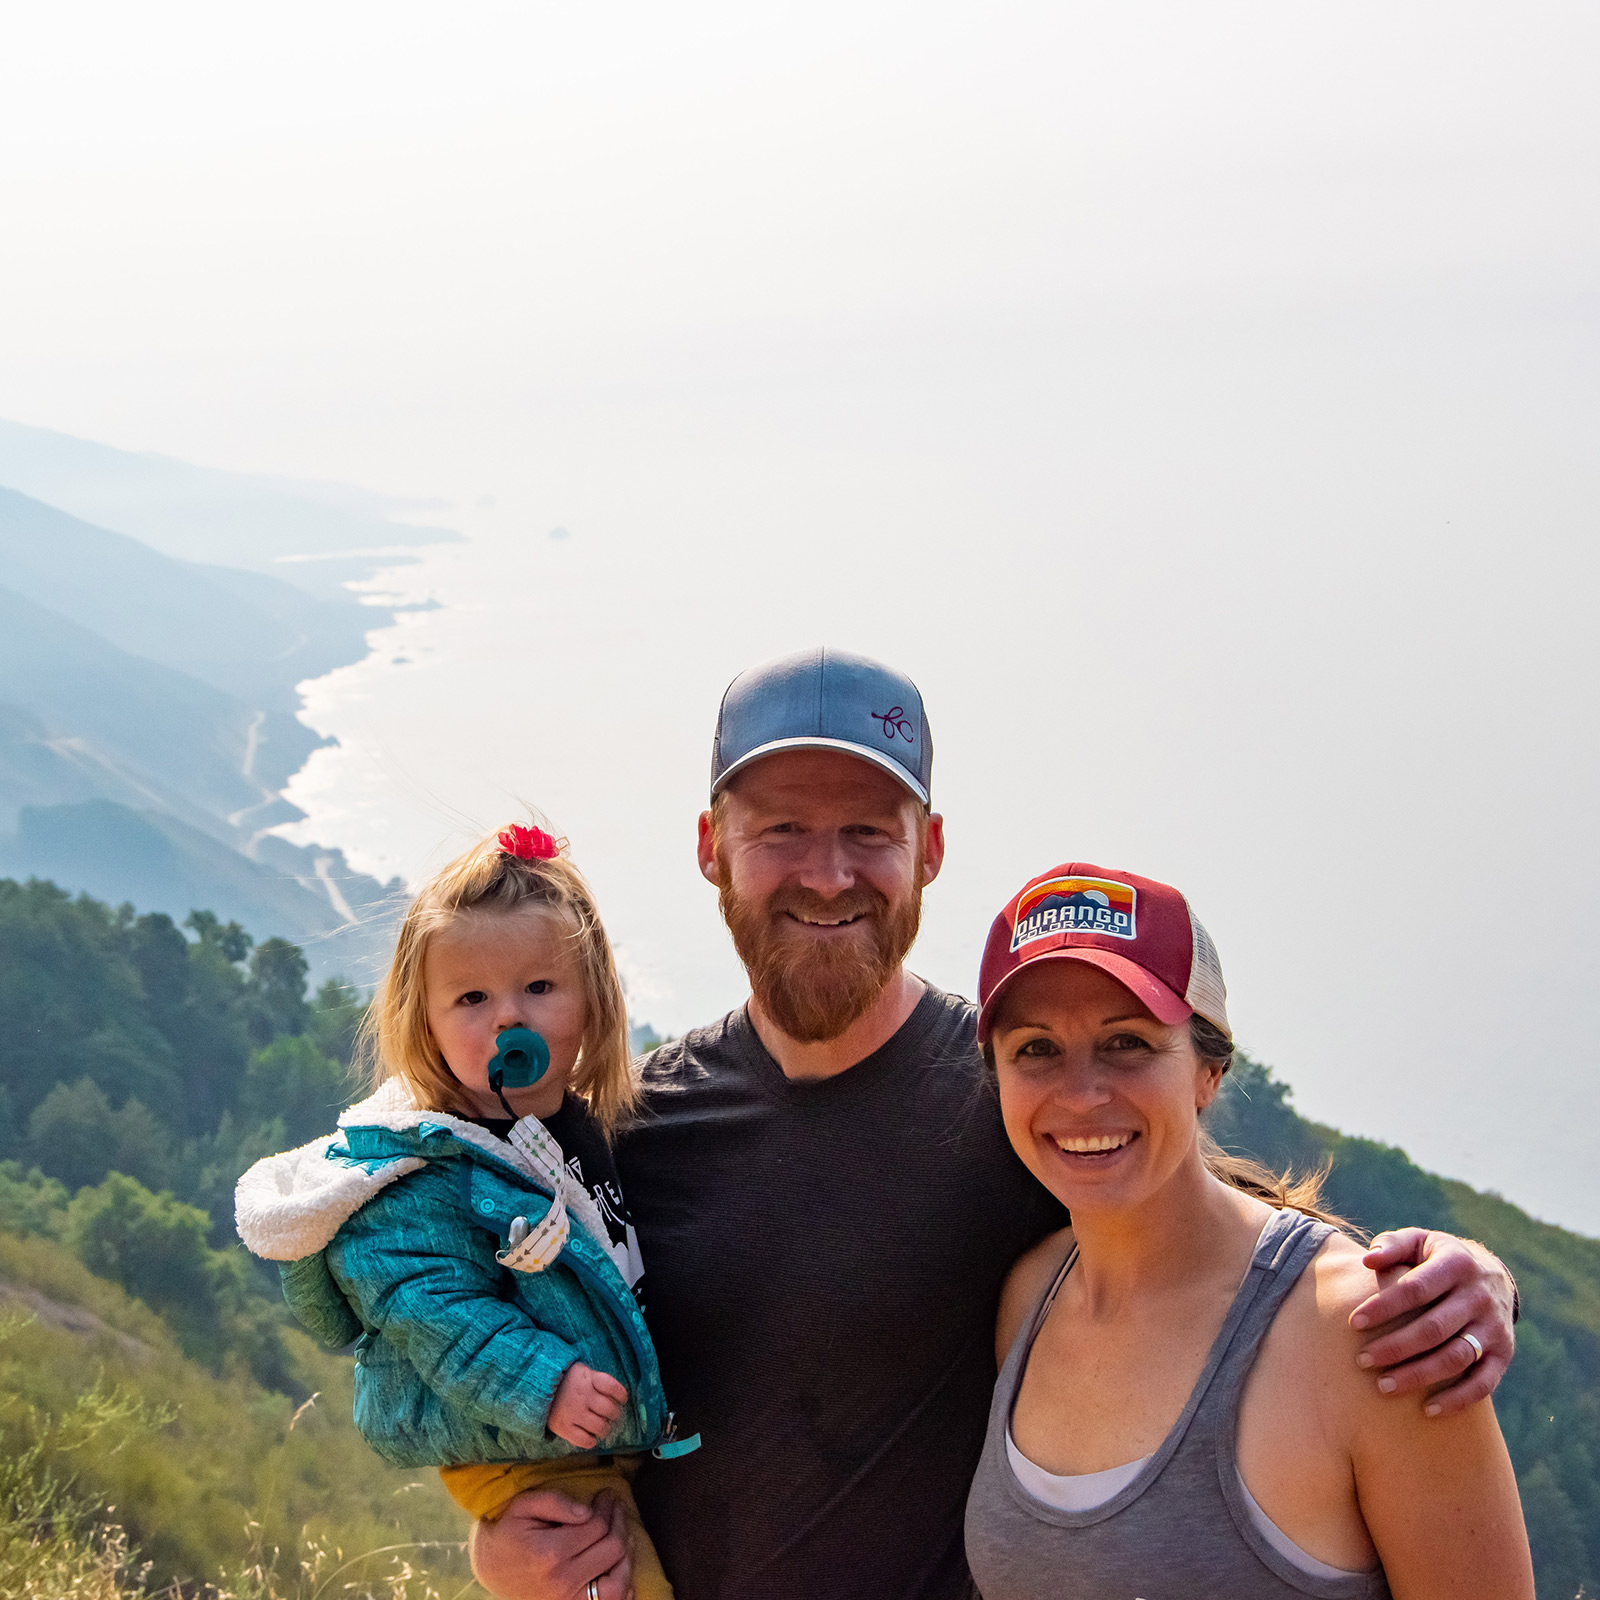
825	700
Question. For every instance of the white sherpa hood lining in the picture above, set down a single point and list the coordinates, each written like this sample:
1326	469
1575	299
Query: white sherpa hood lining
291	1205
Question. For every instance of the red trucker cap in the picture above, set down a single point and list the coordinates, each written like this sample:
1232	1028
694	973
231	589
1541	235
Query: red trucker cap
1141	932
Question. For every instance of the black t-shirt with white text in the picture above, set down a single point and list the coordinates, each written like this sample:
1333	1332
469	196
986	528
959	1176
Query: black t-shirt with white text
591	1165
826	1260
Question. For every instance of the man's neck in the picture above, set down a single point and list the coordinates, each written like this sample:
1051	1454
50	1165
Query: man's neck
827	1058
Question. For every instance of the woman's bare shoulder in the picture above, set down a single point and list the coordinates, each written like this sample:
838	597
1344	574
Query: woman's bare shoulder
1316	1327
1317	1312
1025	1286
1341	1281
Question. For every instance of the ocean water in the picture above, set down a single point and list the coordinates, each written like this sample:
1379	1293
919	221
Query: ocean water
1294	670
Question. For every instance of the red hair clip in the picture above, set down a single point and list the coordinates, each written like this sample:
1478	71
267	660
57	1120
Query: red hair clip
528	844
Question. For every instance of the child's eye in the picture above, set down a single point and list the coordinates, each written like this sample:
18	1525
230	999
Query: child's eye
473	997
539	986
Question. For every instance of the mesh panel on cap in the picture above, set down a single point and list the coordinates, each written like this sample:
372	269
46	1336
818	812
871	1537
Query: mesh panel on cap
1207	994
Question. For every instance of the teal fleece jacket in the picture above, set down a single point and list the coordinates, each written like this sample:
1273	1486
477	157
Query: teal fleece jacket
388	1233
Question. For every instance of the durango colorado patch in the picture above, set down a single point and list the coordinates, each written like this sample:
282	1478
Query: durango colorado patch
1075	905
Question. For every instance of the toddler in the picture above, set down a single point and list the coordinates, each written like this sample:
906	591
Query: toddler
465	1226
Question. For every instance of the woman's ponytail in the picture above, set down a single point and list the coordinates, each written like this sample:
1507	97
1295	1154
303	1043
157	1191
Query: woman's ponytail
1296	1191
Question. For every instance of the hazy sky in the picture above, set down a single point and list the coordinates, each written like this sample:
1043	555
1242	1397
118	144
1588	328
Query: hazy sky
1199	401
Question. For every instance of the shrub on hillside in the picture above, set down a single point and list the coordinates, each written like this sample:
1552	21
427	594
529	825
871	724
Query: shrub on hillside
76	1136
292	1082
336	1015
155	1247
279	970
54	1543
30	1202
1252	1116
1378	1186
213	1163
151	1244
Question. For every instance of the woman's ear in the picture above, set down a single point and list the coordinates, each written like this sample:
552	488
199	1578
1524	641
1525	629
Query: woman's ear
1208	1084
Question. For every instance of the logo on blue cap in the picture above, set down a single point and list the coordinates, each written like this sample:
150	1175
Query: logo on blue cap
895	721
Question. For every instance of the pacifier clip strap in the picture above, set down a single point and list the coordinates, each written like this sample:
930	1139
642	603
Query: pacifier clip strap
547	1238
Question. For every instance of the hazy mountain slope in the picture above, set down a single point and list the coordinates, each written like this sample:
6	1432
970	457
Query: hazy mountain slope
159	863
255	638
199	514
328	633
147	729
148	703
38	768
192	748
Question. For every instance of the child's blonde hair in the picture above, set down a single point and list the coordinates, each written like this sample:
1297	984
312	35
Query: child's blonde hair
395	1039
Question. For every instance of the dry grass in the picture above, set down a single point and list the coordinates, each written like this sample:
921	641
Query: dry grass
60	1541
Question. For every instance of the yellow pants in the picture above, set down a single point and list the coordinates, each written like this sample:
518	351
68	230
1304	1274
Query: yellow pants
487	1490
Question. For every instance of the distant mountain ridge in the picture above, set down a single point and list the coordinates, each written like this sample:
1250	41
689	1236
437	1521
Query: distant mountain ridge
248	634
148	700
317	536
149	858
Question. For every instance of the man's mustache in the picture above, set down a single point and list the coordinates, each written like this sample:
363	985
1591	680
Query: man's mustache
859	901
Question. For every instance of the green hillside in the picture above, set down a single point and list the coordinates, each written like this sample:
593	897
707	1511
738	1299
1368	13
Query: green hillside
1549	1403
150	1379
146	1363
205	1468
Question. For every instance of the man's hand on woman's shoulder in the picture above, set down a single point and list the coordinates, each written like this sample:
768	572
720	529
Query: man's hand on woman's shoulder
1448	1288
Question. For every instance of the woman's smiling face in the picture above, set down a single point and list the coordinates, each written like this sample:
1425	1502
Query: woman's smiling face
1100	1100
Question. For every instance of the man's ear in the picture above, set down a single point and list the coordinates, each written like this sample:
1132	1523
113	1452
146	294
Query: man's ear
932	848
706	850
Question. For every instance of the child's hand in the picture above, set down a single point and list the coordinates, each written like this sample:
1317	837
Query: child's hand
586	1405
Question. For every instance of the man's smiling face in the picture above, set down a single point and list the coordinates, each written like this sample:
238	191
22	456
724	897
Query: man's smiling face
820	860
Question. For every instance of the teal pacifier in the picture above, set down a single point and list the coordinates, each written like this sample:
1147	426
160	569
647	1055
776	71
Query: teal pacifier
521	1059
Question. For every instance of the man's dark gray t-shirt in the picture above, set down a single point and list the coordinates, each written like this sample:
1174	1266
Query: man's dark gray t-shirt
825	1262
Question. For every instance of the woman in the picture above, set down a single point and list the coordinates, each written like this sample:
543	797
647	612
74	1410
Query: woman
1179	1413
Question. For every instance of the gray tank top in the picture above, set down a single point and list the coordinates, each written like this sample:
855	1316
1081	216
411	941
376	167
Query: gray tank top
1181	1530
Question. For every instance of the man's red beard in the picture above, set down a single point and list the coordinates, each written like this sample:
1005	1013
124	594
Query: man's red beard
813	987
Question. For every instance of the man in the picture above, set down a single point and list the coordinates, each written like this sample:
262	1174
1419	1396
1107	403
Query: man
827	1204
